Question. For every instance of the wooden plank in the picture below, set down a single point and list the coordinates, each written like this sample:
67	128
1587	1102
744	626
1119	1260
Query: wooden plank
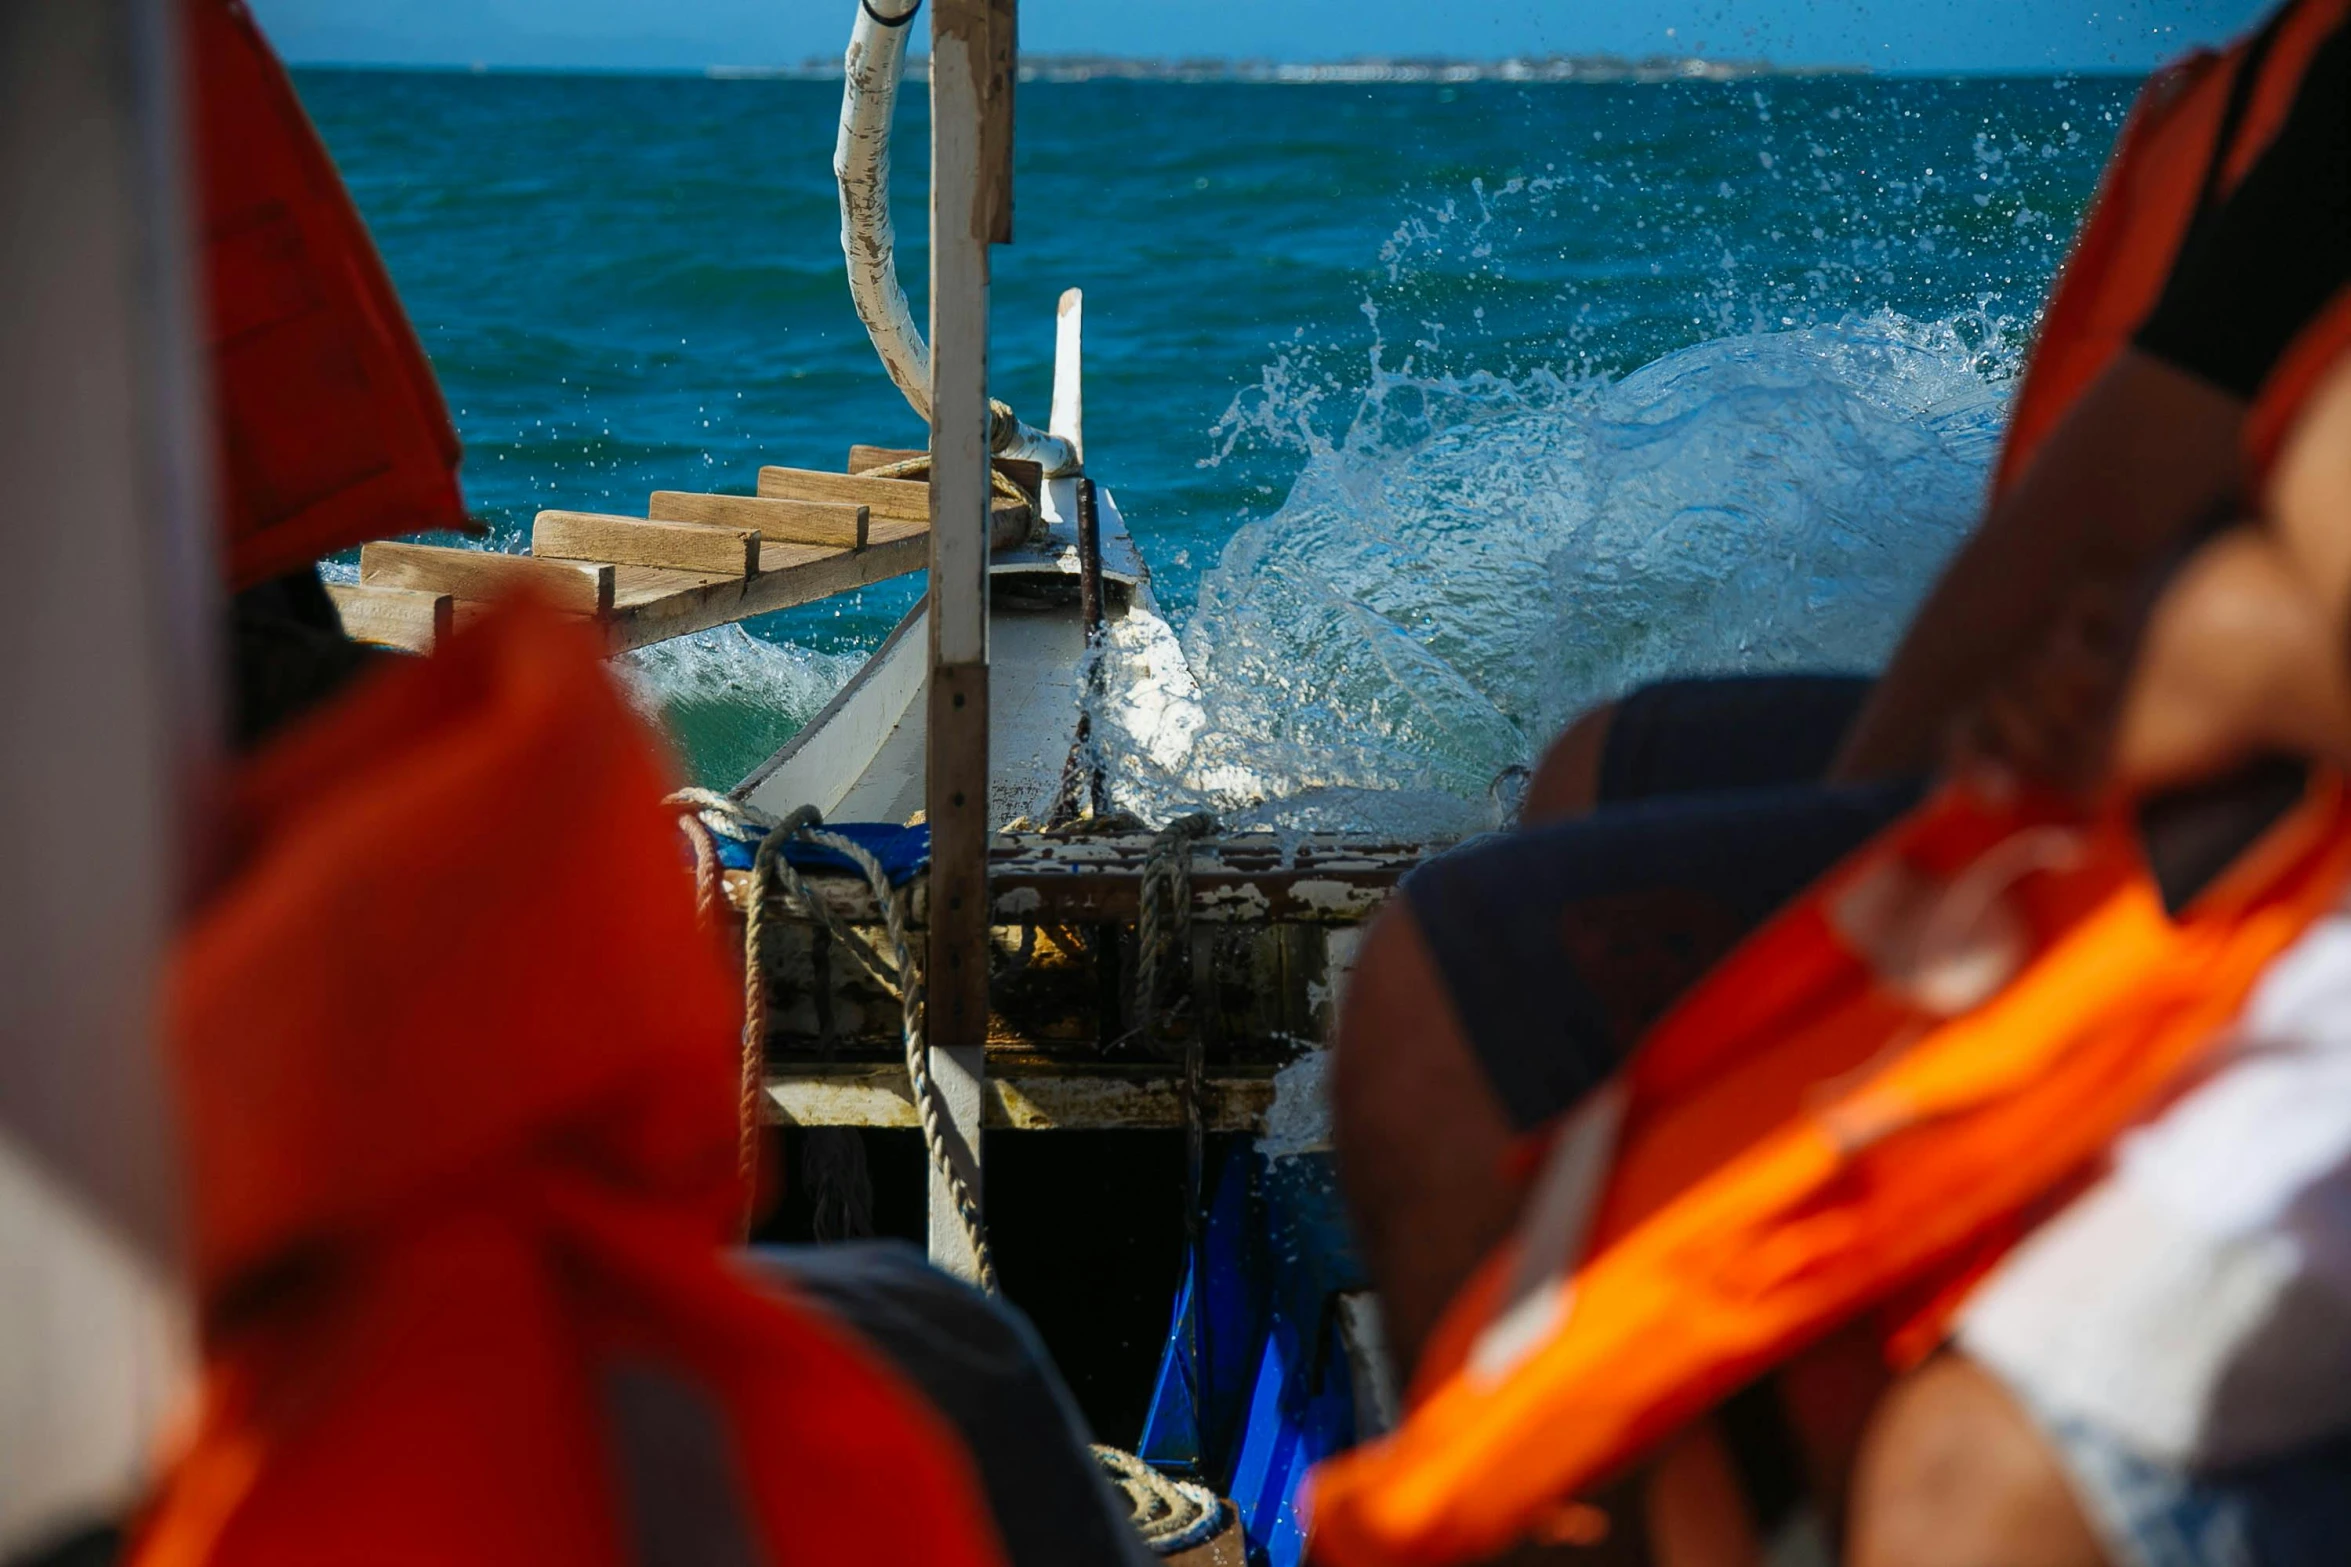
1252	879
1060	1098
902	499
998	72
1028	477
405	618
651	604
898	499
841	524
863	458
581	587
639	541
963	220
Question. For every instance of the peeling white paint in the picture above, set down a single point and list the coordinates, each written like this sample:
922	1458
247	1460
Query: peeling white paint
1299	1119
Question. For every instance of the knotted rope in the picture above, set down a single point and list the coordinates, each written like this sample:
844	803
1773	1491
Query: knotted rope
710	812
1000	488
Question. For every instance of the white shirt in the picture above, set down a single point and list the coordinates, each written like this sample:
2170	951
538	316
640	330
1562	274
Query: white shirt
2196	1302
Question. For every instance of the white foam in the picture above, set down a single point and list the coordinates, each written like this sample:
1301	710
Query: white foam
729	698
1478	558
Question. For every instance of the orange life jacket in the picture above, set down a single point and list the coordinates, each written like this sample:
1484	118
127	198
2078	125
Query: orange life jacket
331	428
1834	1114
2168	166
457	1074
1799	1139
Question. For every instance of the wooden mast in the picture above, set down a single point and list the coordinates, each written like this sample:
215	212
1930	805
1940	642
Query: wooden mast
971	207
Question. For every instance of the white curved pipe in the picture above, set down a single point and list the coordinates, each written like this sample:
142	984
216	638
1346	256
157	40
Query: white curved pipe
861	165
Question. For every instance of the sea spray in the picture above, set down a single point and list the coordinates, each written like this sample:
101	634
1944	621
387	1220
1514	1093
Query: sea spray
1477	558
691	325
728	698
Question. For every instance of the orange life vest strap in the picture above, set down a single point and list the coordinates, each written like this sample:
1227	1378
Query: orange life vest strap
2168	164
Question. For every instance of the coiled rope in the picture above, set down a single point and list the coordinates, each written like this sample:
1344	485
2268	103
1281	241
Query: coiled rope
1171	1515
709	813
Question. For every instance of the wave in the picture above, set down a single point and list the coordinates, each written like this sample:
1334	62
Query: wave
1479	557
727	698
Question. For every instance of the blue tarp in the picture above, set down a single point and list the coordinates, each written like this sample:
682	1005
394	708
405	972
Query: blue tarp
902	850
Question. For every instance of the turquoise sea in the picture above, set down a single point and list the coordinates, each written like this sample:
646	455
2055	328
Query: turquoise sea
1437	410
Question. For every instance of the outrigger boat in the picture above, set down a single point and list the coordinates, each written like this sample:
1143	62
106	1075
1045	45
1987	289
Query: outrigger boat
1084	971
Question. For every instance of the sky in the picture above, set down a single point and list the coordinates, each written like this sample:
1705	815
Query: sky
1896	35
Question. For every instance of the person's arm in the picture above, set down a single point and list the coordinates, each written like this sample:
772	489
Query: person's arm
2249	650
2148	455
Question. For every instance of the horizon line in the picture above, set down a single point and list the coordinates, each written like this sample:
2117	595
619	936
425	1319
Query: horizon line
1595	69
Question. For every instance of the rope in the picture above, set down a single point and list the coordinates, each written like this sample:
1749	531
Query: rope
919	467
752	1085
1164	920
1171	1515
900	975
1163	924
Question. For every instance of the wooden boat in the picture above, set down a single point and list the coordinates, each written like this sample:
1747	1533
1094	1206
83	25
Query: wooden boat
1084	972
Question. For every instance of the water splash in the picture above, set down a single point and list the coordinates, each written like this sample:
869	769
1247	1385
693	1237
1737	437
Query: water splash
1478	557
727	698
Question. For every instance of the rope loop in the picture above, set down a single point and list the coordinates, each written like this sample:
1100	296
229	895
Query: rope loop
1171	1515
771	873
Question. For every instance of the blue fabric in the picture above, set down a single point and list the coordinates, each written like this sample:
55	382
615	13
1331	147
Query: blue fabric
2290	1511
1724	732
1561	944
902	850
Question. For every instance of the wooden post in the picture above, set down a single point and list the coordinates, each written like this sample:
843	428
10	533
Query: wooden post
970	205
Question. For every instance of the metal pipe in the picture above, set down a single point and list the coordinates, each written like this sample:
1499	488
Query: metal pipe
861	166
871	70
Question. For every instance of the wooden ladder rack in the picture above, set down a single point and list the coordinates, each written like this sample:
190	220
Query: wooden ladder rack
691	562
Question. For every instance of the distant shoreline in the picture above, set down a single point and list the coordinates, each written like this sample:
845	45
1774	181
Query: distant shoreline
1360	71
1601	69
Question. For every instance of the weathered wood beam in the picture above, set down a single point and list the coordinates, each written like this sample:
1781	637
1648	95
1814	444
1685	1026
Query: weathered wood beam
905	499
841	524
1257	879
651	605
864	458
966	97
580	587
1059	1097
639	541
409	619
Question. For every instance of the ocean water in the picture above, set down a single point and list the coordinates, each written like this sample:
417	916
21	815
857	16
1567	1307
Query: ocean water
1439	411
